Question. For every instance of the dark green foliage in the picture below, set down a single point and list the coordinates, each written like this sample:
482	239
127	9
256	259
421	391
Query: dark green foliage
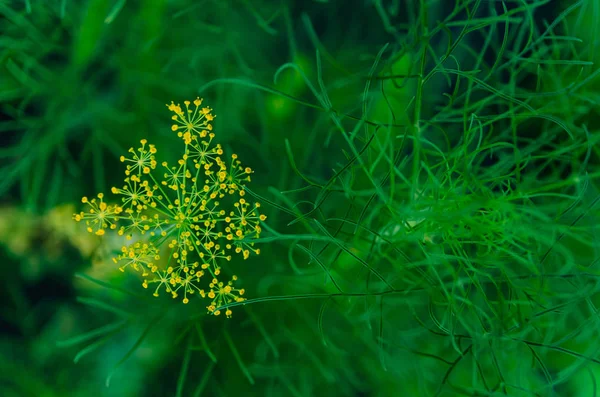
429	170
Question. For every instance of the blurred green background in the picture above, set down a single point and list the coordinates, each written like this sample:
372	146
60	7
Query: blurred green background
429	170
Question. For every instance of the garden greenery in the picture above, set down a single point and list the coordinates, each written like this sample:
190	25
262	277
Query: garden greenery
428	178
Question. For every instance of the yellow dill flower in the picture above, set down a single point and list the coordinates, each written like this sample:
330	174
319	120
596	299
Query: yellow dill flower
100	216
191	123
222	294
193	212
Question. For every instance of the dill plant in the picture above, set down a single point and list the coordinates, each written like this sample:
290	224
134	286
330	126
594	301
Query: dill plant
181	209
435	215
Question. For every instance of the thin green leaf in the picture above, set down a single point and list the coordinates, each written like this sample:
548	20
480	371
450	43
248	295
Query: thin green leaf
204	381
109	286
238	358
75	340
133	348
115	11
320	321
204	343
184	369
92	302
316	259
288	150
263	331
360	260
90	348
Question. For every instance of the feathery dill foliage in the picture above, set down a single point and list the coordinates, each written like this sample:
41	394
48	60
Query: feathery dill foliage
195	208
458	223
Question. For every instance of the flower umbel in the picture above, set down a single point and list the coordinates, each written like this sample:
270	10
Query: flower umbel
194	212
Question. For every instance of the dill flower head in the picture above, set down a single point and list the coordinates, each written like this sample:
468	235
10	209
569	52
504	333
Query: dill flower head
194	212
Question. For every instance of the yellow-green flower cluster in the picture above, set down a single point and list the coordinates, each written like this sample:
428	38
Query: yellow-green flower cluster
194	212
